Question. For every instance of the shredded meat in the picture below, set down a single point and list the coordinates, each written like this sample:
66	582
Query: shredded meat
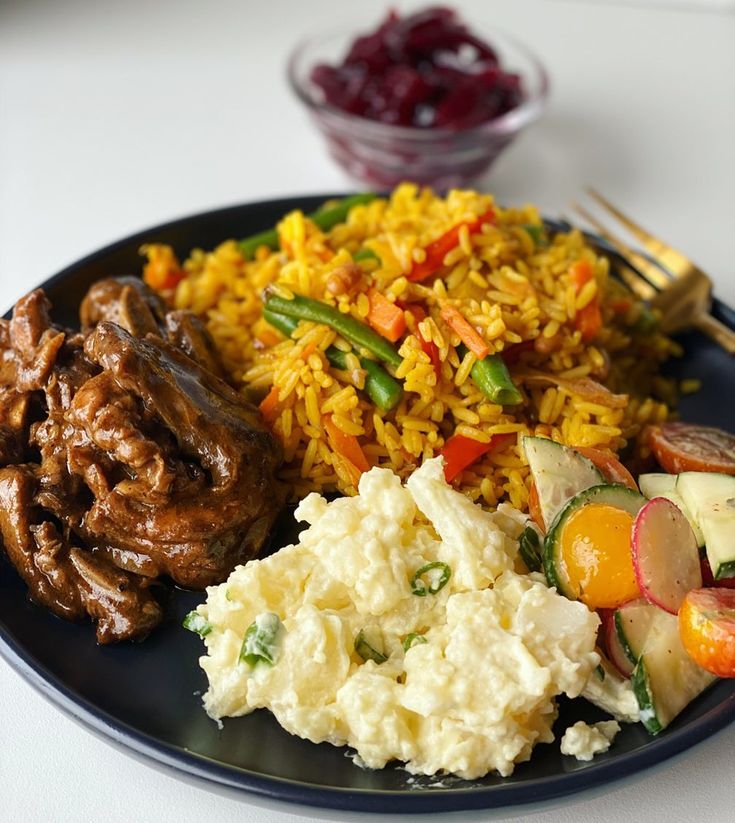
125	456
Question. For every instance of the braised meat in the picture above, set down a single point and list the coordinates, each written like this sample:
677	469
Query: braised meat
125	457
126	301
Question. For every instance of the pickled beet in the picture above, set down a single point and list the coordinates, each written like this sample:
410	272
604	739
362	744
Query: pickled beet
424	70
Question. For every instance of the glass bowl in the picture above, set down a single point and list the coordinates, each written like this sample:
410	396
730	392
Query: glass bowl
383	155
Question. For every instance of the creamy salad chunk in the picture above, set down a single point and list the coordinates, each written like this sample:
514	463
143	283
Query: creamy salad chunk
397	625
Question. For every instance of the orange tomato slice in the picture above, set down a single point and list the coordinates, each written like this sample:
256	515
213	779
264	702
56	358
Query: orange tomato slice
613	470
707	629
596	556
534	507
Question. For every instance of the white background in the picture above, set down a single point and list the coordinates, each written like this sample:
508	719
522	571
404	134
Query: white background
115	116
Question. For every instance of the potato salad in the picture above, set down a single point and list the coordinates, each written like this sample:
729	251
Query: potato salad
398	626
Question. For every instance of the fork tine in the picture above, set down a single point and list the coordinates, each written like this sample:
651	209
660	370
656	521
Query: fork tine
672	259
639	281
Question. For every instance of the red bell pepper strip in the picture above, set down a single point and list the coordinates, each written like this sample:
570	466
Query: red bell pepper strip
429	347
437	250
513	353
459	452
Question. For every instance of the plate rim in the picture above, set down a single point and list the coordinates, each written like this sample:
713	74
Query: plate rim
186	763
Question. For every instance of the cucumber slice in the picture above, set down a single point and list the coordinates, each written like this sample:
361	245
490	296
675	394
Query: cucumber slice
559	473
664	485
612	693
617	653
665	679
710	497
632	624
620	497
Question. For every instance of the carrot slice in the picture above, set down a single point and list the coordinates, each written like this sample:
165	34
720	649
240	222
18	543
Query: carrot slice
346	446
459	452
589	319
385	317
162	270
437	250
580	272
466	332
268	403
268	336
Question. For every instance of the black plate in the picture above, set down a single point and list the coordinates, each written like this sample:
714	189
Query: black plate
146	697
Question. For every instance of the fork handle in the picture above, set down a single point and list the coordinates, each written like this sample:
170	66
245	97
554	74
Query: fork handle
719	332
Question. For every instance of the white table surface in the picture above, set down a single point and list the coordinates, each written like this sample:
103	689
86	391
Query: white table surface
116	116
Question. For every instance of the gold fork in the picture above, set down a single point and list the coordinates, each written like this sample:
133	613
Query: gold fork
683	297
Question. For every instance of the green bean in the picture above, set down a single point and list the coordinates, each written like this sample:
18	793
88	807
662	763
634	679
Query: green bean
360	335
492	378
325	218
385	391
285	325
261	640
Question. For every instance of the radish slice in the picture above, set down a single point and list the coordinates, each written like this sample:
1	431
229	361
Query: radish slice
615	650
665	554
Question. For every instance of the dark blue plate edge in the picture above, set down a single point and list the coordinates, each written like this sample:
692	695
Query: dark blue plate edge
185	763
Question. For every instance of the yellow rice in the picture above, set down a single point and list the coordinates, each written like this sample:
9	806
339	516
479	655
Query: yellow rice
508	287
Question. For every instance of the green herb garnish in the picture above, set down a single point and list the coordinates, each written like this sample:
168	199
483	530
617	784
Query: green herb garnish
413	639
435	582
261	640
194	622
366	650
530	549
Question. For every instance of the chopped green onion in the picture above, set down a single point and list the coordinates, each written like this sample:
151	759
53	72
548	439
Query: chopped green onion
365	254
325	218
600	672
360	335
646	322
436	583
529	546
413	639
537	234
261	640
366	650
194	622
